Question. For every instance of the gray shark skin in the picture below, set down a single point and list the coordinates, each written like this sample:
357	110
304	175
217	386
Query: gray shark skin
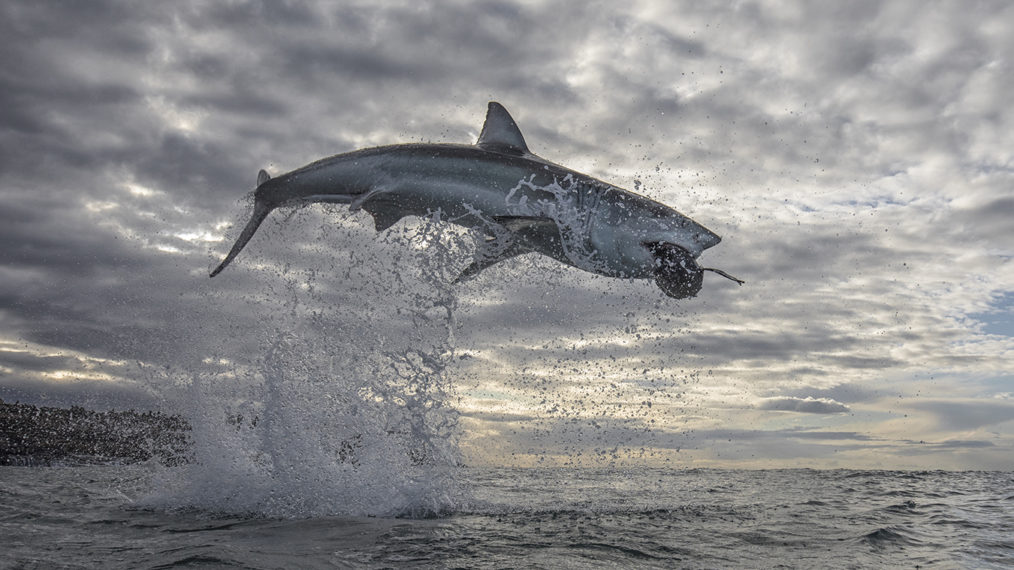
522	203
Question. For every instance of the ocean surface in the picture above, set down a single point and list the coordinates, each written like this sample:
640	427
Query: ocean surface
115	516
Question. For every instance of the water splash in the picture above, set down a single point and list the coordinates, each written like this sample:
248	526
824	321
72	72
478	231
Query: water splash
346	410
573	206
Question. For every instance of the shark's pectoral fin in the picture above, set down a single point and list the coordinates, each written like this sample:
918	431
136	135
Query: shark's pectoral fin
500	246
384	216
493	251
510	236
385	213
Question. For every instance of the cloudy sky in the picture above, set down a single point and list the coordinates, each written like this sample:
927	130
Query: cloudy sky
857	159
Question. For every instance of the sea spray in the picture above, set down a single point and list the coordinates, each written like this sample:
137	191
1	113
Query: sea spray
345	408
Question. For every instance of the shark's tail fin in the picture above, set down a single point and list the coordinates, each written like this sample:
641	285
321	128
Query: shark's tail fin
261	211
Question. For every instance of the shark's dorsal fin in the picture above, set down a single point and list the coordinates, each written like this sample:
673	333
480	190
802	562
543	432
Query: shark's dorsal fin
500	133
262	177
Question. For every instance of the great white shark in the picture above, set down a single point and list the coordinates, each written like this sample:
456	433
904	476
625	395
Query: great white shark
520	202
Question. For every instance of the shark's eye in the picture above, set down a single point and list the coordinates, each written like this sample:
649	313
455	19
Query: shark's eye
676	272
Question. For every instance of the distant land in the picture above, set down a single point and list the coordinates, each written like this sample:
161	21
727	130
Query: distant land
38	435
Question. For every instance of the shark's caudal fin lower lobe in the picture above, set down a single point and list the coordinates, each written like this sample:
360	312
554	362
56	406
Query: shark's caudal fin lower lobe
261	211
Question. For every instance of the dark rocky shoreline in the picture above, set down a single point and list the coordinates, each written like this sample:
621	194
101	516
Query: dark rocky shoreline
39	435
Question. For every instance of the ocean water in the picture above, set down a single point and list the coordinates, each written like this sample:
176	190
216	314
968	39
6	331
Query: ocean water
102	516
327	436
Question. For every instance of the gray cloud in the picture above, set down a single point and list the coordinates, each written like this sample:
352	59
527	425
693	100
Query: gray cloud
844	393
804	405
967	415
17	360
964	444
855	159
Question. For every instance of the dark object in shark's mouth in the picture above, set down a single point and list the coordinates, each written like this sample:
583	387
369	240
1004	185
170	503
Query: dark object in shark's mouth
677	273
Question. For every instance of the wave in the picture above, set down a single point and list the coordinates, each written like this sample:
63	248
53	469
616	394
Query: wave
889	537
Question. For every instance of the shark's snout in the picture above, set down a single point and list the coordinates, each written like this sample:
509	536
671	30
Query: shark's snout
706	238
